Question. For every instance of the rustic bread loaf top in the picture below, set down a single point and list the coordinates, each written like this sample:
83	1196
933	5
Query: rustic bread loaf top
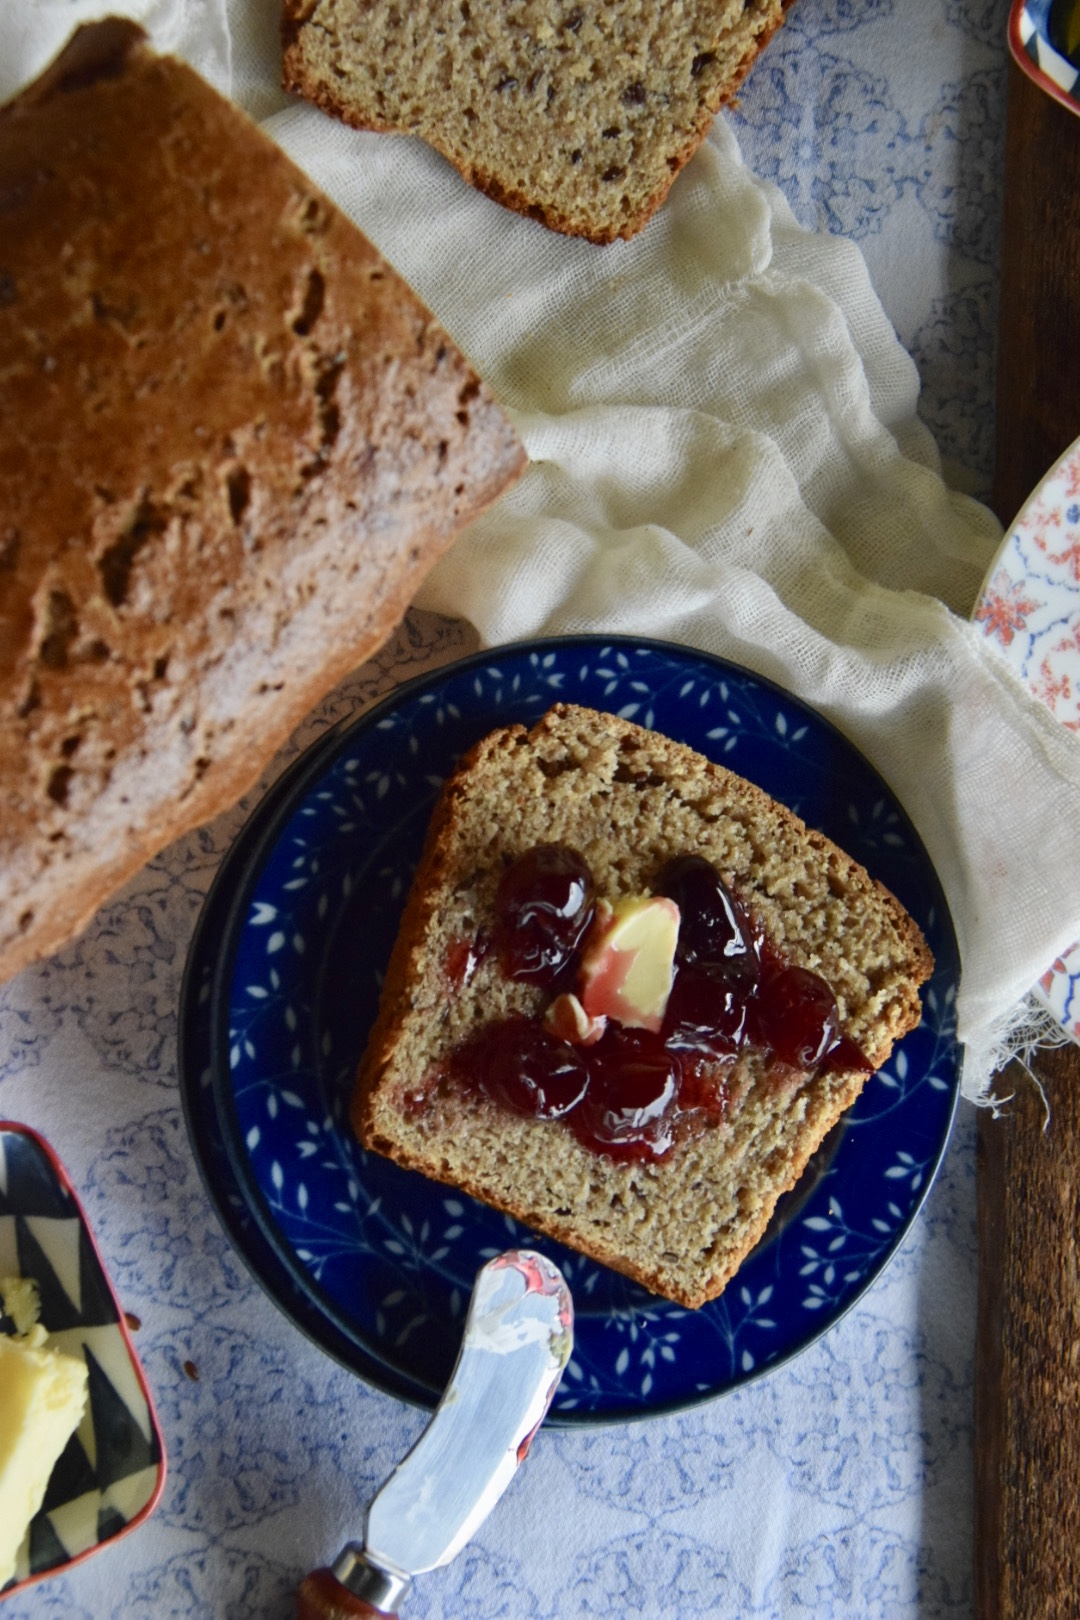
578	115
628	800
232	441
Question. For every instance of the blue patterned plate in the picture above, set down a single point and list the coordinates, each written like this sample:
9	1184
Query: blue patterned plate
111	1473
376	1263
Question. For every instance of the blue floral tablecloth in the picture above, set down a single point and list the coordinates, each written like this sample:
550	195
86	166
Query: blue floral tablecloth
841	1485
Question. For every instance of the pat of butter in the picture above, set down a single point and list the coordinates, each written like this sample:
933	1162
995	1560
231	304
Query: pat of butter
42	1398
628	964
20	1297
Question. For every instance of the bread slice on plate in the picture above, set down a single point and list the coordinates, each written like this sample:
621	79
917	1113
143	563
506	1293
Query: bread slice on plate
233	442
682	1215
577	114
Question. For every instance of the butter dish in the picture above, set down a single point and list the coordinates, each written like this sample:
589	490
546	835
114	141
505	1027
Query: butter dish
111	1472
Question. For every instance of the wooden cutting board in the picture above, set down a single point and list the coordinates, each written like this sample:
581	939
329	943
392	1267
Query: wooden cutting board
1027	1365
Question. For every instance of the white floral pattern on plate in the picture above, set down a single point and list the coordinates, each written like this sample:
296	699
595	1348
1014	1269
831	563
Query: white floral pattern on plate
1030	608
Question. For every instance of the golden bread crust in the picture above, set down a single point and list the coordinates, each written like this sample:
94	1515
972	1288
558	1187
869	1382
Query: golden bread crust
234	443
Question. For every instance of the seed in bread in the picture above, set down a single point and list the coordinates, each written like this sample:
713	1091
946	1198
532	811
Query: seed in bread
577	114
630	801
232	443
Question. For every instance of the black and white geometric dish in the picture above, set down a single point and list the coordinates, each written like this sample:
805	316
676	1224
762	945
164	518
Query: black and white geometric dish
111	1474
282	982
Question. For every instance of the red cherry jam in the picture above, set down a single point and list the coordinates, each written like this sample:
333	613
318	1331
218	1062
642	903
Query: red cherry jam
543	908
706	1010
796	1016
463	959
518	1064
633	1094
713	926
629	1108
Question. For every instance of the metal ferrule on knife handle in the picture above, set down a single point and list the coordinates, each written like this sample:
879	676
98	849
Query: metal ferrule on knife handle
353	1587
321	1596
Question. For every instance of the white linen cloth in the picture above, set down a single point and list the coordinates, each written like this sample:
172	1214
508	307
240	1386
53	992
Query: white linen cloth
724	451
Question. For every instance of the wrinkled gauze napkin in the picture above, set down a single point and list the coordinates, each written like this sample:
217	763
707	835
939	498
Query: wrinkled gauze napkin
725	452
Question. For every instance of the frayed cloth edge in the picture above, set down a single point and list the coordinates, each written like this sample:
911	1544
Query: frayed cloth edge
1015	1037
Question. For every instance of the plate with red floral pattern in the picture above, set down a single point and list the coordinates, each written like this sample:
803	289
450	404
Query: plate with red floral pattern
1030	609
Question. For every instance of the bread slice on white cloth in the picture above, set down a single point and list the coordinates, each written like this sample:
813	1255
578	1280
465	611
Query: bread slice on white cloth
578	116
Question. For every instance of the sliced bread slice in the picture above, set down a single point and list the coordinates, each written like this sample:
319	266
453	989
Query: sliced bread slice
578	115
628	800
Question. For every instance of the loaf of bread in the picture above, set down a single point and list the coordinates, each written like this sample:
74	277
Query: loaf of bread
579	115
232	442
628	800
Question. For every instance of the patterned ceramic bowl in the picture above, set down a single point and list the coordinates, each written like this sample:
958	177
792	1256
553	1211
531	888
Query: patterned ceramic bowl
1044	37
1030	608
111	1474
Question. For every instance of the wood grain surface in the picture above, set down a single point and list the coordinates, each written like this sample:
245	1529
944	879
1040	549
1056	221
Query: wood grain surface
1038	381
1027	1365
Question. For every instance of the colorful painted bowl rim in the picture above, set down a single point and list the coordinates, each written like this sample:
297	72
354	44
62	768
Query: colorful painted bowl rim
1058	988
1026	24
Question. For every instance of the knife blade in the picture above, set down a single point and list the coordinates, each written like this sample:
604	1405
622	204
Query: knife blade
517	1341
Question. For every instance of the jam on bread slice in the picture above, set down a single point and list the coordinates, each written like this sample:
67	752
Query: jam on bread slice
630	996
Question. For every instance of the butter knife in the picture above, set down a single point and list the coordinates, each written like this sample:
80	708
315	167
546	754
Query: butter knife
518	1338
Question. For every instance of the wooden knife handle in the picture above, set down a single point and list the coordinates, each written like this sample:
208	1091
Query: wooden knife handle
322	1597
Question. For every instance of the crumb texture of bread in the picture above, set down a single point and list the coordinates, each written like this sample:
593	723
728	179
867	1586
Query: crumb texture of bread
579	115
628	799
233	442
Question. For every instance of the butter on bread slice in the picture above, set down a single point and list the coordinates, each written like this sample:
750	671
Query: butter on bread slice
628	800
